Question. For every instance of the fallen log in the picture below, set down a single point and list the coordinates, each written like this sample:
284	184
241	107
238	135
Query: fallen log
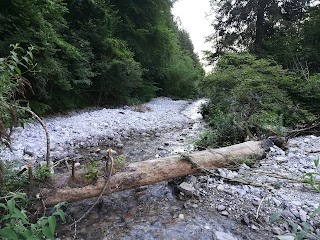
152	171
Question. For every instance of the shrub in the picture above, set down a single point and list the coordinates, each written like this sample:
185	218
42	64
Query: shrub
250	98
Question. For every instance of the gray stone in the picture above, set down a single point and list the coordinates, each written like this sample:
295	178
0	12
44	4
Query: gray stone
29	150
256	201
276	201
224	236
225	213
241	192
297	203
187	188
303	215
277	231
246	220
291	155
288	214
295	213
221	208
254	227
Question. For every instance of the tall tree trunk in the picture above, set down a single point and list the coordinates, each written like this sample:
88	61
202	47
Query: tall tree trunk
261	8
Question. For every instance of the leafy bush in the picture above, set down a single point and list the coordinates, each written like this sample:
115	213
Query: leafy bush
91	171
11	179
15	221
12	87
252	97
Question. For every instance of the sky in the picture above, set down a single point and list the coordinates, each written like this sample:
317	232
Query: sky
193	17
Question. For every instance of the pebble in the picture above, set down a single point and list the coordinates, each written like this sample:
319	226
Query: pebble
225	213
303	215
276	201
277	231
187	188
86	128
181	216
224	236
221	208
288	214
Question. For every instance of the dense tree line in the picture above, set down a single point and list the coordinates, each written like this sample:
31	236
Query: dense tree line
100	52
267	76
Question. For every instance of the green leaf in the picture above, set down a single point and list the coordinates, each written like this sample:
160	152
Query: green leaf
2	205
19	215
315	212
275	217
47	232
306	226
316	162
61	214
23	231
11	205
8	233
52	223
42	221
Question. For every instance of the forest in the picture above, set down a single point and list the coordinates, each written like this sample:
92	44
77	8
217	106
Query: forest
94	53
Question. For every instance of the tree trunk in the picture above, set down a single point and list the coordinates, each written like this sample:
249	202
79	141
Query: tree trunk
148	172
260	26
1	171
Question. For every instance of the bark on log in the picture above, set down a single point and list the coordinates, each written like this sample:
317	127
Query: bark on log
152	171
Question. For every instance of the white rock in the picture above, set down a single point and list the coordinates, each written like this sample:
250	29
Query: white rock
224	236
303	215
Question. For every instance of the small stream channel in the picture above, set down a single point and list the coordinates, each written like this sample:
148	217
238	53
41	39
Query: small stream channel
155	211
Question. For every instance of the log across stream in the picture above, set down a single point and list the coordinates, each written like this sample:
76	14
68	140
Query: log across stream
151	171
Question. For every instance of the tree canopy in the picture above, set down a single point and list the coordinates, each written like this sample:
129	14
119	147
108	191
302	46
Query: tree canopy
100	52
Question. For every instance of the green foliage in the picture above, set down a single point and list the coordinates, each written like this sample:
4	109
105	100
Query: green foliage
312	178
250	24
100	52
251	97
300	230
42	172
13	86
15	221
92	171
11	180
120	159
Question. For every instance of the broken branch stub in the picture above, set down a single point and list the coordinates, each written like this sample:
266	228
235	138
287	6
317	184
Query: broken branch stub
152	171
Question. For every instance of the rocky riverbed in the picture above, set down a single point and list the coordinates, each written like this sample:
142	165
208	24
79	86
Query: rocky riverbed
227	204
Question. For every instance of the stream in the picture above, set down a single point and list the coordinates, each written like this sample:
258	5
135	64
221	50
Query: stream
214	208
157	211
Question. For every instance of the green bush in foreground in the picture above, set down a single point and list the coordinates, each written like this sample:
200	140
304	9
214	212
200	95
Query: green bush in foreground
252	97
16	223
